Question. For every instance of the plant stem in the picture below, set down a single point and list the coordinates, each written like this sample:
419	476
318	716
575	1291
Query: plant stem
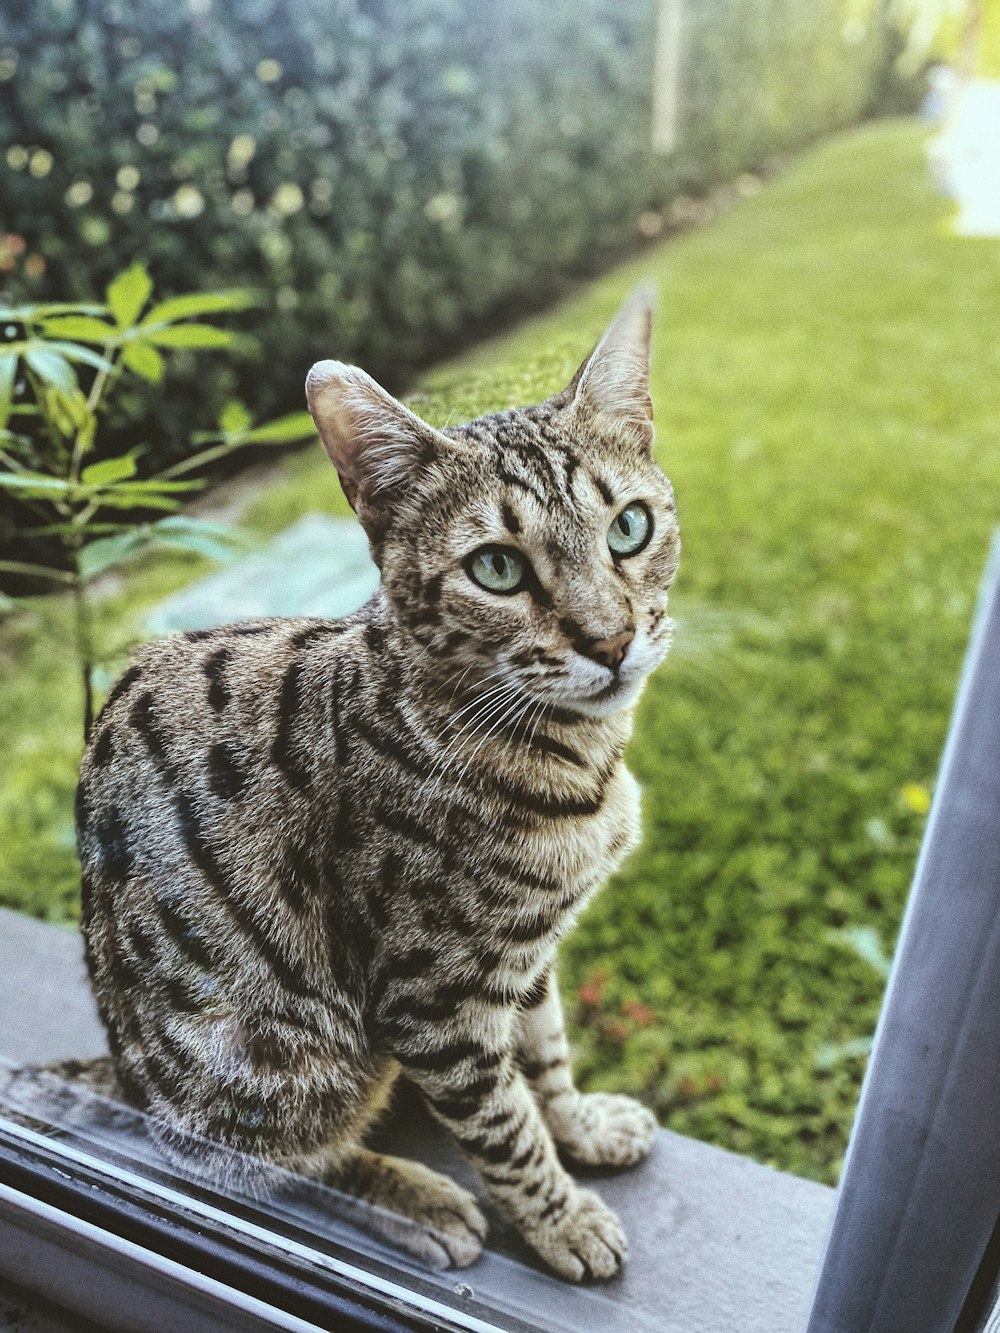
83	617
196	460
93	402
35	571
83	642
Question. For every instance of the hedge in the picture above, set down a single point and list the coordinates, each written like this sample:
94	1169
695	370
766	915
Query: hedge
393	177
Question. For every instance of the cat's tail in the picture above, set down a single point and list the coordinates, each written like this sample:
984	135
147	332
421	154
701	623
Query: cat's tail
96	1075
87	1096
65	1093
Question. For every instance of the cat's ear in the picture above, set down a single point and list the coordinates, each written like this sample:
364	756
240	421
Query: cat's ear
375	443
613	382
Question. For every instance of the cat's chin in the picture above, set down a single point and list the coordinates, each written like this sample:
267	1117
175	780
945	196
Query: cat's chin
619	694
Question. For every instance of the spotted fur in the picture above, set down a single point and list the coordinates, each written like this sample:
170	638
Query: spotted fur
318	854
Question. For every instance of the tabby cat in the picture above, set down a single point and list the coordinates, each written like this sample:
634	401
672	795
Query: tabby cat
318	854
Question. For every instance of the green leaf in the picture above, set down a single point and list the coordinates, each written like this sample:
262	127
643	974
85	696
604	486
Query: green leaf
202	457
71	528
74	352
867	944
109	470
128	500
8	373
143	360
153	484
832	1053
82	328
151	494
50	367
48	308
188	335
97	556
221	531
283	430
202	303
234	418
214	540
69	413
28	314
37	483
128	293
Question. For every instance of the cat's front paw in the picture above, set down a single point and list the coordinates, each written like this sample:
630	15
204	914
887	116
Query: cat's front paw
605	1129
423	1212
451	1227
584	1242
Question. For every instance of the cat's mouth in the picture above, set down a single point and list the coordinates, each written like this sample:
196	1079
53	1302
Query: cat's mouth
615	686
620	691
596	698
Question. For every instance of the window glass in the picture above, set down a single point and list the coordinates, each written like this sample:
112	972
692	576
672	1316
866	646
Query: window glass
203	200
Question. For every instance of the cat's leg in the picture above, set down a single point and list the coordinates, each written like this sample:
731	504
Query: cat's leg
420	1210
472	1084
594	1129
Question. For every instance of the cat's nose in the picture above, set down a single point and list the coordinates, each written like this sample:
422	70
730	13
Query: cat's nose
610	652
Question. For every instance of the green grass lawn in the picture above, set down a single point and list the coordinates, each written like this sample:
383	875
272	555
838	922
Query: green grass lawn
825	384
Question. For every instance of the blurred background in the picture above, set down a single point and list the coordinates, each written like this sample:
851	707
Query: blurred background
199	199
397	178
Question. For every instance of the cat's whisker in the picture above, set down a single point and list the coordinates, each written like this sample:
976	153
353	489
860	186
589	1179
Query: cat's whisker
474	709
502	672
496	705
480	707
460	680
543	706
500	684
501	695
516	711
422	655
485	703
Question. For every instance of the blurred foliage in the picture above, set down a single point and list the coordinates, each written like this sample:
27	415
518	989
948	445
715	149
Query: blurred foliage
825	363
988	40
394	177
929	30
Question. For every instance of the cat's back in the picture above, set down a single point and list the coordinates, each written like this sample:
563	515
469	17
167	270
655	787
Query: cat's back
196	814
201	776
210	711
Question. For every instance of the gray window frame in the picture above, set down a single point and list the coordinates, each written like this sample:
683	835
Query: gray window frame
131	1253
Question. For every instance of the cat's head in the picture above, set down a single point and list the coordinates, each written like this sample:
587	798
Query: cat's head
532	547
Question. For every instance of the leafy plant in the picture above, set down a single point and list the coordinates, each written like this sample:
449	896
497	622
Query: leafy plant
58	372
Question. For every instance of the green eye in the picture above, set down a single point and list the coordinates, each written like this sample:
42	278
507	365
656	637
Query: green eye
497	568
631	530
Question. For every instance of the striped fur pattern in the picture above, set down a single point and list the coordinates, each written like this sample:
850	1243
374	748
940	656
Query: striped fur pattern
318	854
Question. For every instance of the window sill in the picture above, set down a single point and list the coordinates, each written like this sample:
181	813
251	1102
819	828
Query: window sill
717	1241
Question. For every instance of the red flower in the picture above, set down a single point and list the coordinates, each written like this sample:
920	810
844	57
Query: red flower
640	1014
591	993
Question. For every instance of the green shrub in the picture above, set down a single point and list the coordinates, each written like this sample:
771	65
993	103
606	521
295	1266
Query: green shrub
394	177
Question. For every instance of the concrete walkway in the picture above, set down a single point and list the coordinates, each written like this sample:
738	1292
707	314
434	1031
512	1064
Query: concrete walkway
719	1244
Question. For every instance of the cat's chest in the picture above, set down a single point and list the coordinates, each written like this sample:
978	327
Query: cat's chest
582	848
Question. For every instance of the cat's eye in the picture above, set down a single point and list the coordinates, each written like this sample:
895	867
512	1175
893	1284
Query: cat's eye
497	568
631	530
